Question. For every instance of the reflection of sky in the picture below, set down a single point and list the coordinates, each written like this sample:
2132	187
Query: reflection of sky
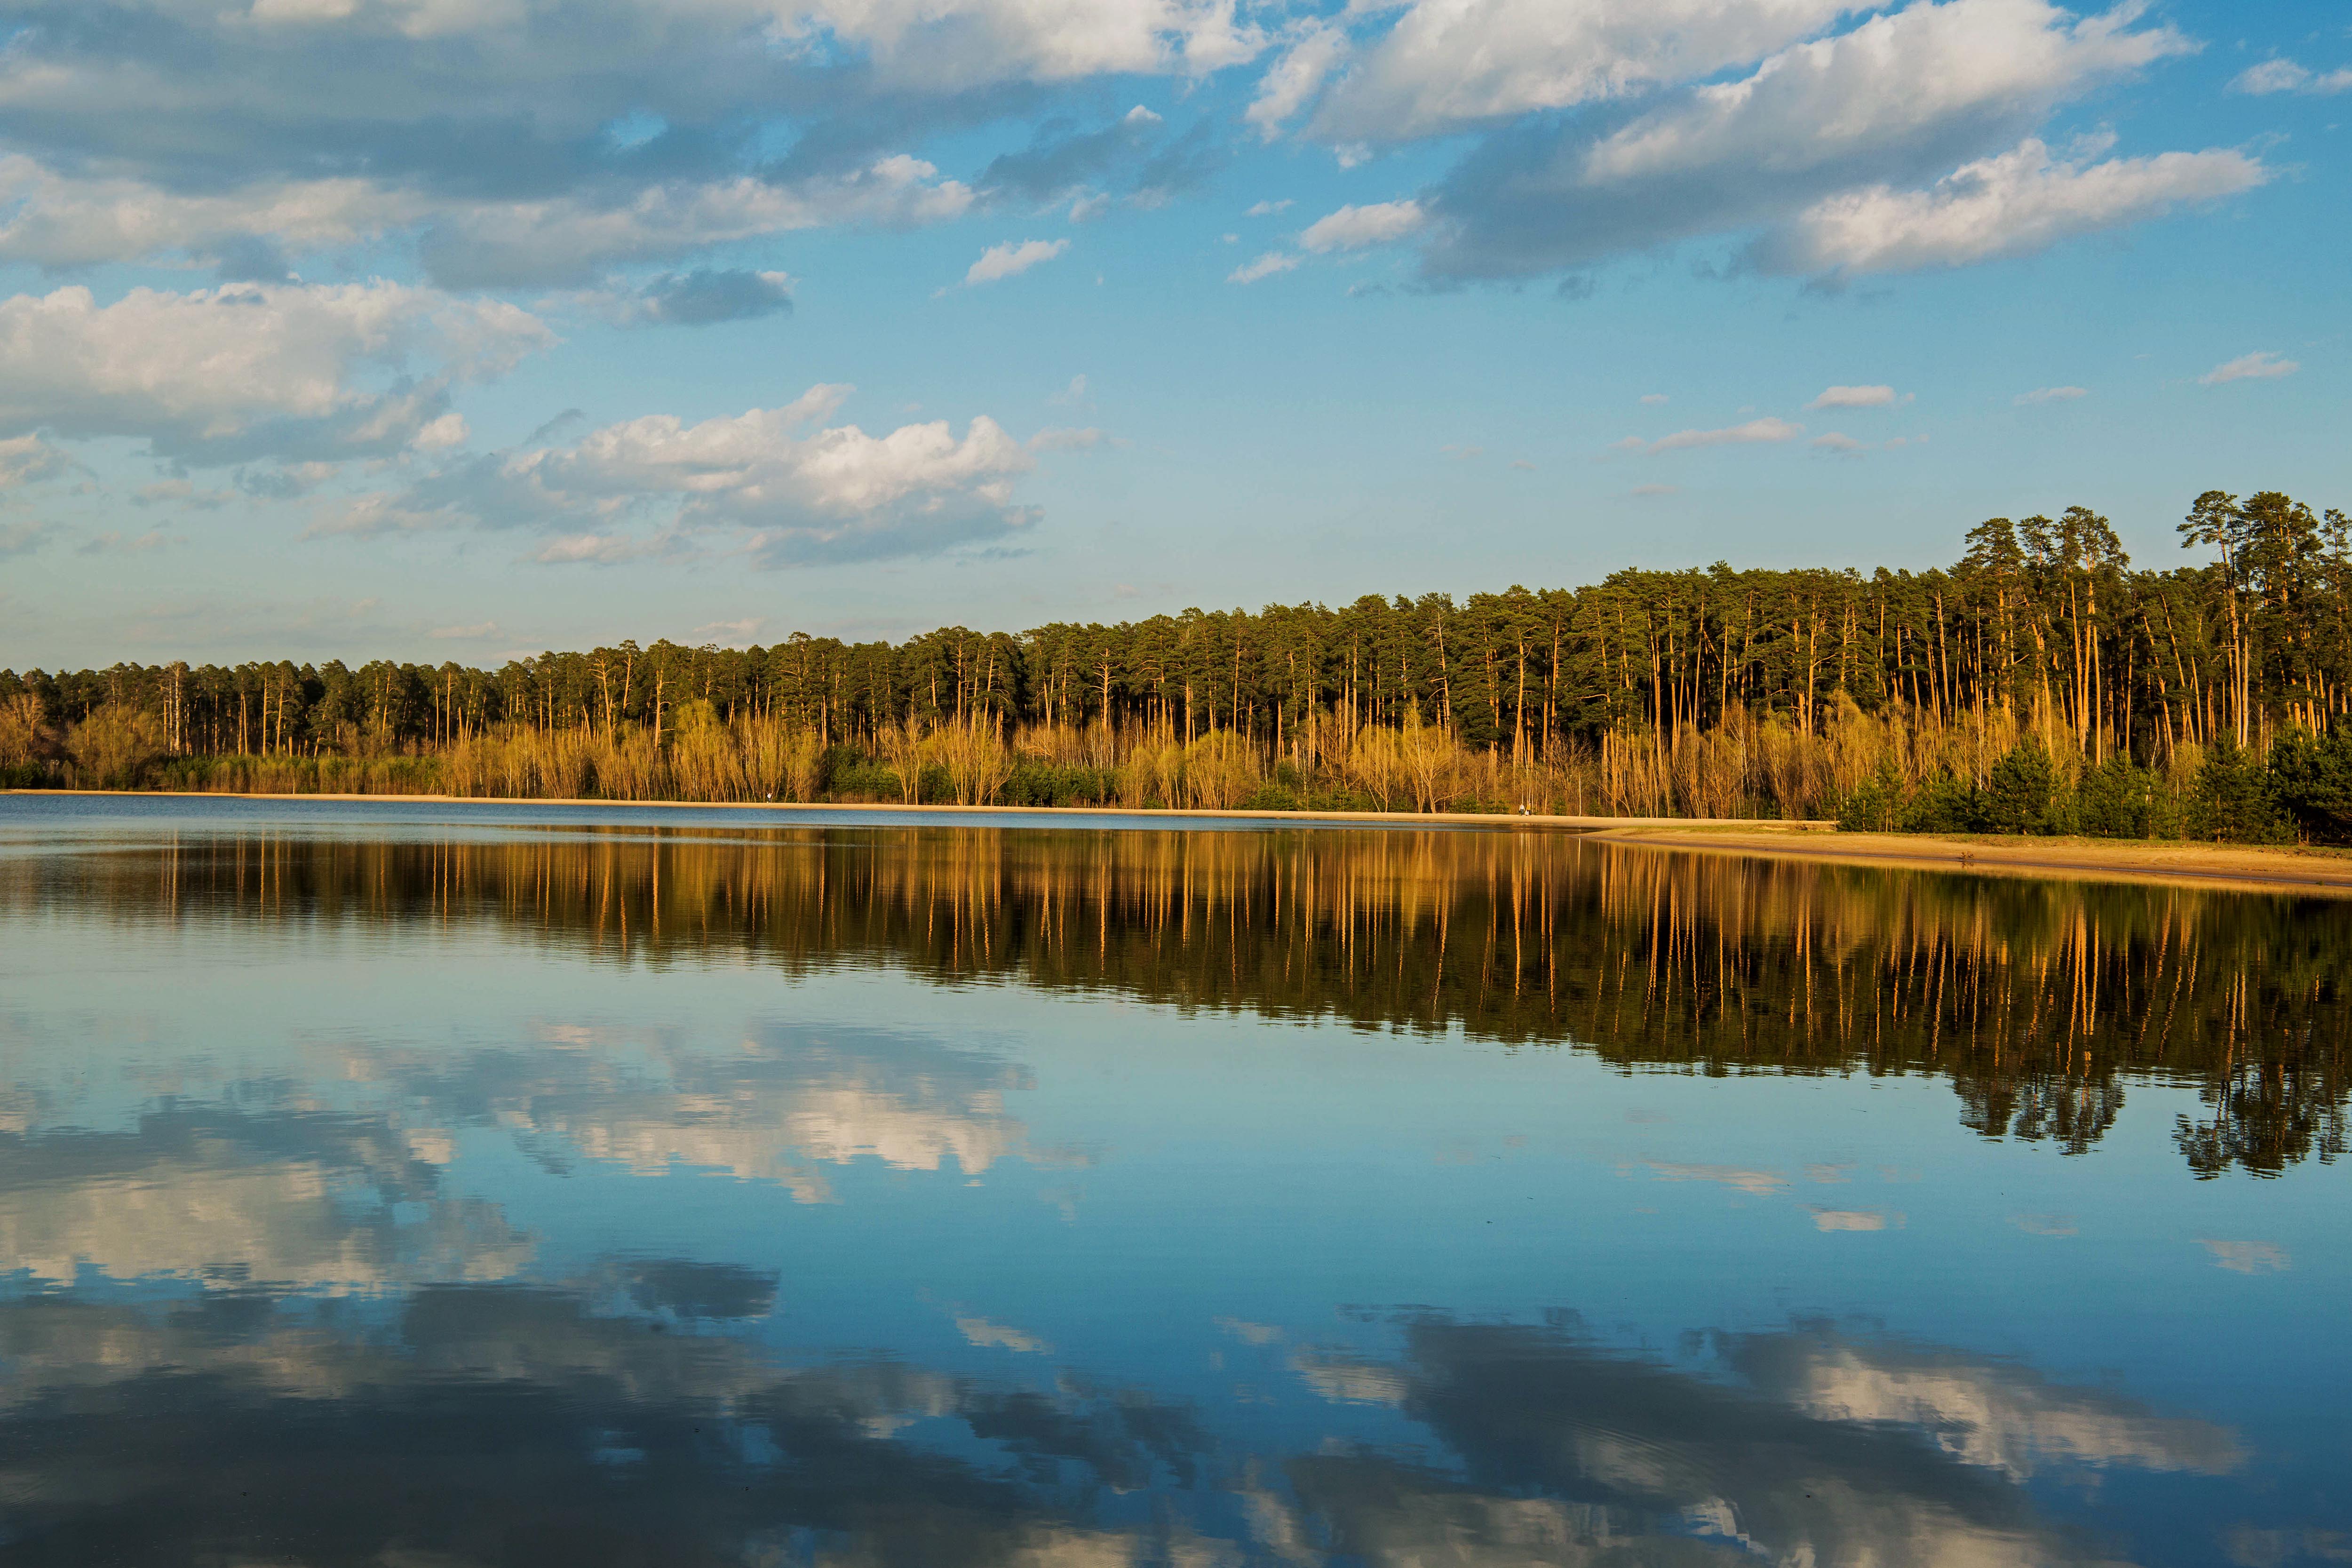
1001	1267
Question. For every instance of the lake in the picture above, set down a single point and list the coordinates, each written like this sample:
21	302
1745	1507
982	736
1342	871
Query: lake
418	1185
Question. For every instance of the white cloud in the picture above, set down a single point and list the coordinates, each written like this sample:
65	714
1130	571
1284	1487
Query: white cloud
2050	394
1836	441
954	45
1887	81
2286	75
2263	364
1448	64
1065	438
1265	265
449	430
1652	399
249	370
1352	227
473	243
1268	208
1823	149
1854	398
465	634
776	485
2017	201
1075	395
493	244
1293	79
1009	260
1753	432
25	459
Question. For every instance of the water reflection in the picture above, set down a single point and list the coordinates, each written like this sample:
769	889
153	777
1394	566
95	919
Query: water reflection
500	1423
721	1210
2040	1001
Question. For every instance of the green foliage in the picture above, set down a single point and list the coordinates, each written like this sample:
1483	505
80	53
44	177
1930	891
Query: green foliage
1042	784
2120	799
2023	795
1943	804
2231	800
1875	804
2311	780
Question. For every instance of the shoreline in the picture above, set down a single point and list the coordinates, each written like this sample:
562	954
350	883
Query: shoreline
2251	868
2157	863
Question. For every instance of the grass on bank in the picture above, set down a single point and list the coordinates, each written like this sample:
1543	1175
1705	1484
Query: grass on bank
1989	774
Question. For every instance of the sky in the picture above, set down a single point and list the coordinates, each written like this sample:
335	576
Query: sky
465	329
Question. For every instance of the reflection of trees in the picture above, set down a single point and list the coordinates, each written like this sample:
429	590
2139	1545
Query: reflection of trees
2038	1000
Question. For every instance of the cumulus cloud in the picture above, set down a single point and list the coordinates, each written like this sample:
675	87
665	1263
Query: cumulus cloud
777	485
25	459
567	238
1352	227
1449	64
1868	150
2286	75
1010	259
1755	431
2022	201
1265	265
1268	208
1293	79
1854	398
1837	441
706	297
248	371
1061	159
2263	364
2050	394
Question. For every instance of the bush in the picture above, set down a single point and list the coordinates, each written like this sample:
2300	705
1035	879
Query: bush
1945	804
2023	796
2120	799
2231	800
2311	781
1873	805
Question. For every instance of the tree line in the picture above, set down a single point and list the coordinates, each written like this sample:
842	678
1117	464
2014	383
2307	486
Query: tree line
1628	691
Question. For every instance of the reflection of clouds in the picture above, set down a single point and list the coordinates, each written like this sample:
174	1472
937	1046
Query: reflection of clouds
1347	1380
1854	1219
483	1417
294	1199
1994	1415
1825	1451
1761	1183
2248	1256
987	1335
769	1109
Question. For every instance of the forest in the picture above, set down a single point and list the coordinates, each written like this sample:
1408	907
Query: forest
2042	684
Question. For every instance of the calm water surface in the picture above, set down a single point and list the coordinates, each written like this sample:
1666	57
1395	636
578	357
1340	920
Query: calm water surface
420	1186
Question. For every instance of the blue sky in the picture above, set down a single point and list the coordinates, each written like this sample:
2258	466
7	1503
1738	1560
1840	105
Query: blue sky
430	328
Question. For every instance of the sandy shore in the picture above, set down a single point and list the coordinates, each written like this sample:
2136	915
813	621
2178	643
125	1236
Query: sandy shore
2301	869
2318	870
